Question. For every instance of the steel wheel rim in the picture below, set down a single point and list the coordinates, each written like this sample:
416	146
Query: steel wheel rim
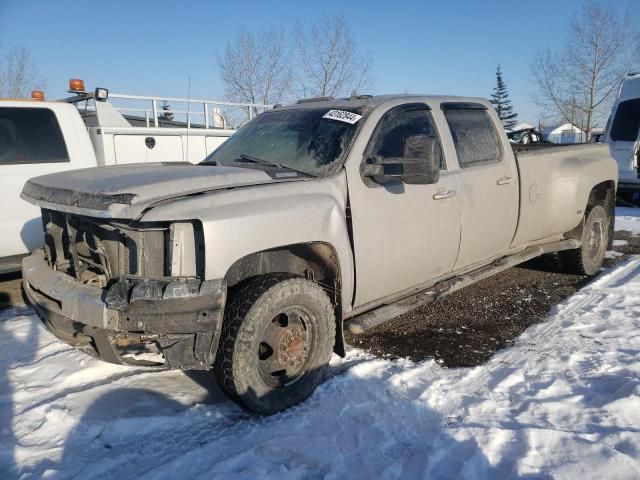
595	240
284	350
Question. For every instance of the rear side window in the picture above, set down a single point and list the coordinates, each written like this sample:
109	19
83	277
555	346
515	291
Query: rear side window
30	135
474	136
626	123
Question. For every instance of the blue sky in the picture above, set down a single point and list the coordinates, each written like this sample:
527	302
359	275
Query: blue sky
151	47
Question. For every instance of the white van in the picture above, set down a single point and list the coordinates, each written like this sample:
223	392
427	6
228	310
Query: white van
39	137
623	135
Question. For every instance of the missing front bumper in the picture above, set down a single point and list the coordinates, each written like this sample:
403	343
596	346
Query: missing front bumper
159	323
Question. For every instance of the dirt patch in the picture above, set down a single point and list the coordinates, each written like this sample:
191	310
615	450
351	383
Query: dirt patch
466	327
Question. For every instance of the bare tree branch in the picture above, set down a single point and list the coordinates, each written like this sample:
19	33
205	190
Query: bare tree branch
577	84
18	74
273	66
256	68
329	62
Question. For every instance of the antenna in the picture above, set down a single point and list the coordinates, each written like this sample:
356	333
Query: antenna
188	114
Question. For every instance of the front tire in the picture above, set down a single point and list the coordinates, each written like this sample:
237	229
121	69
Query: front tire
276	342
588	258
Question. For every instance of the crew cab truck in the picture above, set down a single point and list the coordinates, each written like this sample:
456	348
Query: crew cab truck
87	130
312	218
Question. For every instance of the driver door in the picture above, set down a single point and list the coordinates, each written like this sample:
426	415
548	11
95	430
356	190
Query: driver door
403	234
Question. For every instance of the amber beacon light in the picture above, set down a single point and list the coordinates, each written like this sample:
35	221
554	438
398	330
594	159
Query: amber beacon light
37	95
76	85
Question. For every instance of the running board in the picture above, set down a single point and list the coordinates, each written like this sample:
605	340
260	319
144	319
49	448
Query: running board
373	318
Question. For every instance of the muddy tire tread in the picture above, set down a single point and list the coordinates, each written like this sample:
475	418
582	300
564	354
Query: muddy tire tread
243	299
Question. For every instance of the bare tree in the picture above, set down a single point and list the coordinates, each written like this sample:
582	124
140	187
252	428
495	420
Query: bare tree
259	68
577	83
18	74
256	68
329	62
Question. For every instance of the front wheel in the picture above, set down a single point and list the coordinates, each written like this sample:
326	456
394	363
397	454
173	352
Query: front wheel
276	342
588	258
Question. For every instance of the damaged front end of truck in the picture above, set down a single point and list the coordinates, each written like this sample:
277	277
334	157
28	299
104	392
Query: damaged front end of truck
100	286
126	292
118	288
122	289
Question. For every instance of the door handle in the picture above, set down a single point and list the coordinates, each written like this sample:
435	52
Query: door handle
504	180
443	194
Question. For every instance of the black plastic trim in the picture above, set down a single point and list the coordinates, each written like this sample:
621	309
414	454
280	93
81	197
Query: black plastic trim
462	106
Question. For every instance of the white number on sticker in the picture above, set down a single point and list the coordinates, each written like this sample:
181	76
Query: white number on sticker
342	116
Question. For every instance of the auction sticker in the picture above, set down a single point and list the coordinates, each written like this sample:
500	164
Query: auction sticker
342	116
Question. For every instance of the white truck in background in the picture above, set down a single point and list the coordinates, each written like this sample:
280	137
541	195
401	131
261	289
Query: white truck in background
86	130
623	137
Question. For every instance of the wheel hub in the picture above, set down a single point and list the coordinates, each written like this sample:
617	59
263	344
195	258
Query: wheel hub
293	348
595	238
285	347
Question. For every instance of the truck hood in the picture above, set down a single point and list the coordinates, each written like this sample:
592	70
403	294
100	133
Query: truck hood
126	191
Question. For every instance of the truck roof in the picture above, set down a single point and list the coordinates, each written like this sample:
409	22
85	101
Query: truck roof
29	103
37	104
370	101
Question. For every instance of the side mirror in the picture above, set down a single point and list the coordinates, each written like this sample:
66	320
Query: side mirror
419	165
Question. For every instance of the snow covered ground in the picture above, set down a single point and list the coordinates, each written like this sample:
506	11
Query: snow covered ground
563	402
628	219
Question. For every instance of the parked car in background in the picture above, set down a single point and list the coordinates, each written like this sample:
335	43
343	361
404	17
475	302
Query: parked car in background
39	137
525	136
325	214
623	137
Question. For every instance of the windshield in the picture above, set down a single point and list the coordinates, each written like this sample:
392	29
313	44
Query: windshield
311	141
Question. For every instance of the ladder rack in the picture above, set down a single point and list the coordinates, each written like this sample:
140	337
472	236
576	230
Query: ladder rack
209	110
204	107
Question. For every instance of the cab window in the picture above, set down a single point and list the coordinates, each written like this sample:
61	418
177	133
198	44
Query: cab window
398	125
30	135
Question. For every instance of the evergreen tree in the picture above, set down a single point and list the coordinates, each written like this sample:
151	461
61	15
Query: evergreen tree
166	114
500	100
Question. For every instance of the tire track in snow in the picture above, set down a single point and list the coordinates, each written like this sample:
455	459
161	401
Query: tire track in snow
47	356
133	457
80	389
492	380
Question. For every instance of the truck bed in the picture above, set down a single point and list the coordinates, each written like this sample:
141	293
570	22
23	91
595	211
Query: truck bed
555	184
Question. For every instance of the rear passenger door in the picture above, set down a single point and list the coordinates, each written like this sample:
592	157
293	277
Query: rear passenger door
488	178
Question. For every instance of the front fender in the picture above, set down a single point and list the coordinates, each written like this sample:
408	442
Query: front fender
246	220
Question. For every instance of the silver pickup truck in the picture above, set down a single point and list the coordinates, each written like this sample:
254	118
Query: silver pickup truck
315	217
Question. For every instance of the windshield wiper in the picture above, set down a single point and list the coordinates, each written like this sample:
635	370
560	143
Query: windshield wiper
252	159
